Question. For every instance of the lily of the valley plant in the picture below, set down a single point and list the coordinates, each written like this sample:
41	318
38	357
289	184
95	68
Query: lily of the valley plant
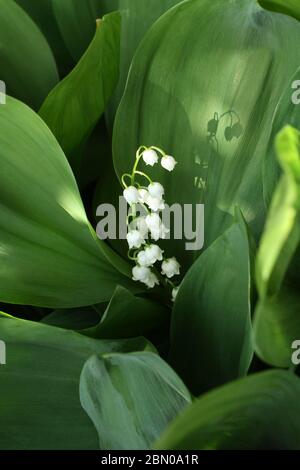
93	352
144	252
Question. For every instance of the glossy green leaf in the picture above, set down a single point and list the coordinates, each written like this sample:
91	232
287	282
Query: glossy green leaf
287	7
277	326
185	80
282	231
108	190
73	108
286	113
73	319
42	14
260	412
127	316
94	160
27	64
277	320
137	17
39	406
130	398
77	21
49	254
211	339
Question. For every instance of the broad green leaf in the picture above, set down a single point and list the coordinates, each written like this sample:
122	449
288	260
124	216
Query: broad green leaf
127	316
27	64
211	341
73	319
137	17
42	14
49	254
277	326
73	108
39	406
130	398
77	20
184	82
277	320
282	231
259	412
286	113
95	158
108	191
287	7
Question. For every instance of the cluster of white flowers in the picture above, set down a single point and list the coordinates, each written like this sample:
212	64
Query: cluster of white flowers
142	228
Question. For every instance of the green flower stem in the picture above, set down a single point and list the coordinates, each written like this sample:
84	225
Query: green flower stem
159	275
159	151
133	258
126	175
144	175
133	211
138	156
171	283
145	207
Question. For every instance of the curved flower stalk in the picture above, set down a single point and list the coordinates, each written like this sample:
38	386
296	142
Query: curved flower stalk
144	230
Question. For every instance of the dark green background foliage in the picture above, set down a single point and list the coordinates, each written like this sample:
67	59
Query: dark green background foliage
94	360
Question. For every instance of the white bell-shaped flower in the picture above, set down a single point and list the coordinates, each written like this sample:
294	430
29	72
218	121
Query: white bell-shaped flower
140	273
135	239
170	267
150	157
154	253
150	255
142	259
156	227
156	190
153	221
139	224
131	195
154	203
145	275
143	194
168	162
151	280
163	231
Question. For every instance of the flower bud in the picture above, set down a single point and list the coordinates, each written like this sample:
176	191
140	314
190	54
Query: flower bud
168	162
155	203
150	157
140	273
145	275
156	227
139	224
143	194
131	195
150	255
155	253
170	267
153	221
151	281
156	190
135	239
